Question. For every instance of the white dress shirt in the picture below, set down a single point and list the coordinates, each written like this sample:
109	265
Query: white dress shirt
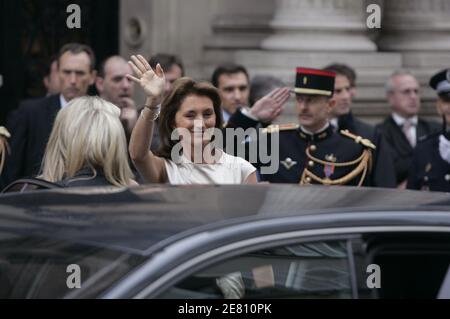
225	116
62	100
400	121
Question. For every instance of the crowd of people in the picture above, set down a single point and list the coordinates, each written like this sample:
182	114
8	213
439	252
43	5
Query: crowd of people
72	139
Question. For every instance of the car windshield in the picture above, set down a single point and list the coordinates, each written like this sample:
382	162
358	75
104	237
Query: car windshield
33	267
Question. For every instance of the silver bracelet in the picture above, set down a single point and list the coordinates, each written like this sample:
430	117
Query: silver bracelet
153	109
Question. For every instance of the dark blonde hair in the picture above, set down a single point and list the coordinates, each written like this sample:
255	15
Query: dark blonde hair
183	88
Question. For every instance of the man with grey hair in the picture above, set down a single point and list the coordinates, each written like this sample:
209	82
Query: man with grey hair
403	128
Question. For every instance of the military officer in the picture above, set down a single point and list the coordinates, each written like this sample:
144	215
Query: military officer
311	152
431	162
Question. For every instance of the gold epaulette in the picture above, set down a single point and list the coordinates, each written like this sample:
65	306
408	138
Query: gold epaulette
359	139
4	132
281	127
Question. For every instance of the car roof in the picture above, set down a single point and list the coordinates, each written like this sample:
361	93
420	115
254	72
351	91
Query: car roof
135	219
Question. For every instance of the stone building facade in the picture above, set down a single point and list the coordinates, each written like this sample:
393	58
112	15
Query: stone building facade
275	36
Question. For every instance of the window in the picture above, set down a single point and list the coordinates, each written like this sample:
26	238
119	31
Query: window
32	267
411	265
310	270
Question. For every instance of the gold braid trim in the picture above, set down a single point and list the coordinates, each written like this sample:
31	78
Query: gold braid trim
315	159
358	139
365	164
4	148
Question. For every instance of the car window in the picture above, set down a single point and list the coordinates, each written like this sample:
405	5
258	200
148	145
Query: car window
410	266
310	270
33	267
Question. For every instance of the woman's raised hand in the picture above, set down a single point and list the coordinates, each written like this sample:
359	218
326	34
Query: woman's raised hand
152	81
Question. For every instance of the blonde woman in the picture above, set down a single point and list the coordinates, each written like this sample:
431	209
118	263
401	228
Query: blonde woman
87	146
193	108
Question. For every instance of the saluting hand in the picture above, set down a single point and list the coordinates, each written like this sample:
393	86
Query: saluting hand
152	81
269	107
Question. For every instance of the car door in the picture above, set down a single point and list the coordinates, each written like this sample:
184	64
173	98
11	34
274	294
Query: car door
372	264
311	269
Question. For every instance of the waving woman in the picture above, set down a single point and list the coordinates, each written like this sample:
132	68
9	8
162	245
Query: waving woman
189	111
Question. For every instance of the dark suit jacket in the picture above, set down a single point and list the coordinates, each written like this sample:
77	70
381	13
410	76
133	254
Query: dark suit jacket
239	120
356	126
383	174
402	152
30	127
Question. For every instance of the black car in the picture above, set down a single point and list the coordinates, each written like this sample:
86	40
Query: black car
236	242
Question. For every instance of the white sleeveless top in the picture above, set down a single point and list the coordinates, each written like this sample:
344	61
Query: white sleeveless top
228	170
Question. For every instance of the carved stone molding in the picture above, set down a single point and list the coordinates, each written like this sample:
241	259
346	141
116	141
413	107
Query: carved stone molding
324	25
415	25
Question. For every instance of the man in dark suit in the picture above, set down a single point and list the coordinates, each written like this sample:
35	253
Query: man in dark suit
403	128
113	86
30	125
342	118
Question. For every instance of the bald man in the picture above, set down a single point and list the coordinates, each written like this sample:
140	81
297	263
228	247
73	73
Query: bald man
113	86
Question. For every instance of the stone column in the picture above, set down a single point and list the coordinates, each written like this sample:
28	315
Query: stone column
416	25
239	24
319	25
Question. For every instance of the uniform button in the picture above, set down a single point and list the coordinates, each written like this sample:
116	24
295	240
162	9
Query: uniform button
447	177
313	148
311	164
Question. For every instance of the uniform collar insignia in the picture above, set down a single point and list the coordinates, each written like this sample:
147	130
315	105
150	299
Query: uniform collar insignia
323	135
317	136
288	163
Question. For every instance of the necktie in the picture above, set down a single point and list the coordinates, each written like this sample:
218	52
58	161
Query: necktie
407	131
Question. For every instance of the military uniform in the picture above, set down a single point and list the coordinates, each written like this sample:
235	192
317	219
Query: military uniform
431	161
327	157
429	170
